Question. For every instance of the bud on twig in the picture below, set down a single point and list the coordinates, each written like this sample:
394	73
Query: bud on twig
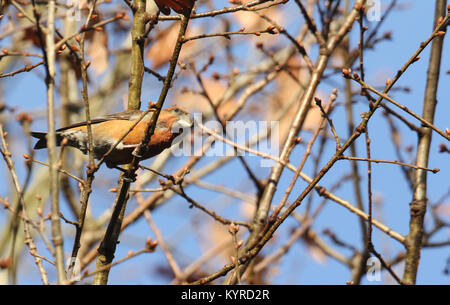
318	101
40	212
150	244
233	228
5	262
272	30
6	203
24	117
346	73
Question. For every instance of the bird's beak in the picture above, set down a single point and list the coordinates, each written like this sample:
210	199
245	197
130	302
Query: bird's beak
182	123
187	122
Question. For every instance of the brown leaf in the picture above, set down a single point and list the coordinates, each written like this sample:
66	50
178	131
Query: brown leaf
218	233
195	102
179	6
247	210
444	210
98	51
285	93
161	50
252	22
31	34
316	253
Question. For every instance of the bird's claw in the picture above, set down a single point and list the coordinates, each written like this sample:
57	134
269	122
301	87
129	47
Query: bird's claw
129	179
136	153
126	176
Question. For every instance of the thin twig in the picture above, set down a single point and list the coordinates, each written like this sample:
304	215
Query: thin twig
180	191
87	185
51	140
169	256
433	170
330	122
27	68
404	108
63	171
238	146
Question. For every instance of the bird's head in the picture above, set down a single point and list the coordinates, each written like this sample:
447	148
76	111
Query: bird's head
176	119
179	118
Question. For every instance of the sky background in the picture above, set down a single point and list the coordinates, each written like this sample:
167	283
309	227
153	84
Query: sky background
409	25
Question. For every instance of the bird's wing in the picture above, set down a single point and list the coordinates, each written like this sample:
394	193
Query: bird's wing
127	115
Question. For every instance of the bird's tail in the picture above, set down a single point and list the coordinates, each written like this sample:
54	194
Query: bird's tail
42	142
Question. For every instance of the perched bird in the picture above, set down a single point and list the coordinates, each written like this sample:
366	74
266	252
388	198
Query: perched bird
106	131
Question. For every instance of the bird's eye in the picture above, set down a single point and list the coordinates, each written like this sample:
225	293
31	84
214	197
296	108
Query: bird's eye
177	110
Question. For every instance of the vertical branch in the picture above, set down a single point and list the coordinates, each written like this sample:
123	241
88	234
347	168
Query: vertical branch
20	210
361	266
369	188
64	94
20	204
419	201
370	247
165	248
261	214
87	186
108	245
51	140
137	58
319	128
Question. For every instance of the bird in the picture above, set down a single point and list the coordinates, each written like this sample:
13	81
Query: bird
107	130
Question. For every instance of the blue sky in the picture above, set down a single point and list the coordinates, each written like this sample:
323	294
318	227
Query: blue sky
409	25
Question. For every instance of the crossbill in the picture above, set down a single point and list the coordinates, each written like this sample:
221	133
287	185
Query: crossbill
107	130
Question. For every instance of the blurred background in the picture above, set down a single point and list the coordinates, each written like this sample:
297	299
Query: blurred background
320	256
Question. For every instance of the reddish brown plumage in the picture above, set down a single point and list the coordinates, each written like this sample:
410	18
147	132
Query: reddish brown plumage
108	130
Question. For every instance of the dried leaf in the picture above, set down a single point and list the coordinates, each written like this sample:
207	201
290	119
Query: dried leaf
161	50
217	233
316	253
247	210
195	102
179	6
98	51
252	22
444	210
285	93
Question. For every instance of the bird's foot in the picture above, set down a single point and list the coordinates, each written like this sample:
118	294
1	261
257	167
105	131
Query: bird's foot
126	177
129	179
136	153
